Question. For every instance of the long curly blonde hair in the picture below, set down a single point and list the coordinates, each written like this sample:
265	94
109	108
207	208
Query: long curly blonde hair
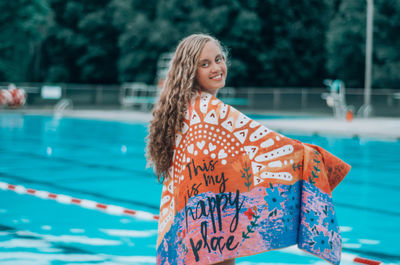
179	88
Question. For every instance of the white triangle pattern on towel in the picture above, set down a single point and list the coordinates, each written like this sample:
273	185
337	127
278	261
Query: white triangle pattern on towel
228	124
257	167
257	180
211	118
185	128
251	150
195	118
241	135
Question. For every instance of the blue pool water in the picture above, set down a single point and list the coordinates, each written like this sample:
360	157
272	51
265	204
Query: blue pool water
104	162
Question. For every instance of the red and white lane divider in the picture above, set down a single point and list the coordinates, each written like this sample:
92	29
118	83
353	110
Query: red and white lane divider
366	261
61	198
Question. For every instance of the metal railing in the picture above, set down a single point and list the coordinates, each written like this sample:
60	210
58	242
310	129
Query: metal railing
386	102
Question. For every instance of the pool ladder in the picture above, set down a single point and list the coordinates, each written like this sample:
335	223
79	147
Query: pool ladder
62	105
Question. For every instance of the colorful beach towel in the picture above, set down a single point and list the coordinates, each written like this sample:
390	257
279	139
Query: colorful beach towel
237	188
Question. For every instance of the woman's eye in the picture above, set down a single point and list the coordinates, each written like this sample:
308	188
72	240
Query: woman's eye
218	60
204	64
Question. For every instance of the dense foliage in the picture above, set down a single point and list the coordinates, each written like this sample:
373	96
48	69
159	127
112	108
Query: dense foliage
271	42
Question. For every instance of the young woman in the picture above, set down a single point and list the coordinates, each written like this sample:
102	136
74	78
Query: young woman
232	187
193	69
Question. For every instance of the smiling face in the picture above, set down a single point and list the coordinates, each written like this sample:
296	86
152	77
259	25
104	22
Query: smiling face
211	70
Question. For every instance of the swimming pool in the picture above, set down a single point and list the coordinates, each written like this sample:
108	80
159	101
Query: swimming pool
104	162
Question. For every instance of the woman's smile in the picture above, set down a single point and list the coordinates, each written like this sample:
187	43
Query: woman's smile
217	77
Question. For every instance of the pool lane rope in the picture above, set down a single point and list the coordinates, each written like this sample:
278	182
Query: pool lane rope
112	209
366	261
65	199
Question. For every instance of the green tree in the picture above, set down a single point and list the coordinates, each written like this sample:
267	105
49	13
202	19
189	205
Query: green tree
139	40
345	43
23	27
82	45
292	38
386	44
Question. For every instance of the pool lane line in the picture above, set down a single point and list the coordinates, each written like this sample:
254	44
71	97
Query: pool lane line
366	261
74	190
89	204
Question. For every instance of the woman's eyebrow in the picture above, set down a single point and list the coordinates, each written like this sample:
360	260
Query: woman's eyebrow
203	60
220	56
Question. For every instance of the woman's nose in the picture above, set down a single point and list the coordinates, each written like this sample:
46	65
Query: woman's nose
215	67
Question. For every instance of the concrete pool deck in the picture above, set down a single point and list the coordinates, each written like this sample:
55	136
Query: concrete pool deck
375	127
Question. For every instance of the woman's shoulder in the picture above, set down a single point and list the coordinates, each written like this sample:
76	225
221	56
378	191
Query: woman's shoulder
204	99
207	104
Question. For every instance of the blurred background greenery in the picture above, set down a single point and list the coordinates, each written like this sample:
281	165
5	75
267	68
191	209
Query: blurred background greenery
271	42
